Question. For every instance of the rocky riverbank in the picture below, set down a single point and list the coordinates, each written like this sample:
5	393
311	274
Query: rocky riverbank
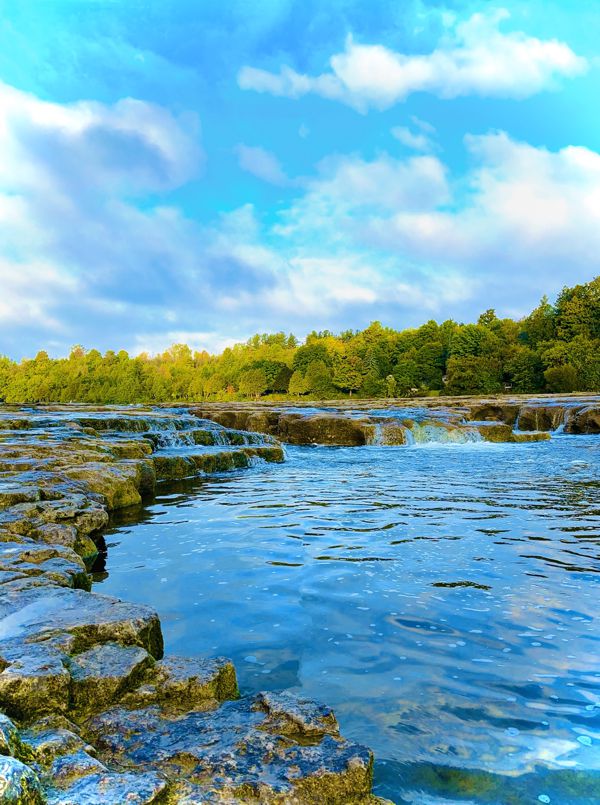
404	422
91	710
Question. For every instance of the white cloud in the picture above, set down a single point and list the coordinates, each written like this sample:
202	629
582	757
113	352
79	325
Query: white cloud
130	147
477	58
79	260
520	222
415	140
388	238
261	163
526	210
155	343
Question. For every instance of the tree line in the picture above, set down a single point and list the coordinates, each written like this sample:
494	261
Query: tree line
556	348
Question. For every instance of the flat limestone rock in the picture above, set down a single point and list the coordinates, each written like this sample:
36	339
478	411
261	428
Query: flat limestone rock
79	618
67	770
292	715
44	745
100	675
185	683
55	564
41	627
239	751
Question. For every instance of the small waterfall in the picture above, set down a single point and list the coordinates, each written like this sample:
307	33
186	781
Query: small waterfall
566	415
374	434
173	438
218	435
433	432
410	437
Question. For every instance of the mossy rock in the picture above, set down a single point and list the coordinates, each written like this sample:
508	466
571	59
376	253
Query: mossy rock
19	785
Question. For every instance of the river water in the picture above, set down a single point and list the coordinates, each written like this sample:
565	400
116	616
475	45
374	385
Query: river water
443	598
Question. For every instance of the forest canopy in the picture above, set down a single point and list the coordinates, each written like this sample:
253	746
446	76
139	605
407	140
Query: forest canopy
556	348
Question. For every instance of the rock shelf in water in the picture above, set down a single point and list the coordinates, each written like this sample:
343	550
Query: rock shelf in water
398	422
90	710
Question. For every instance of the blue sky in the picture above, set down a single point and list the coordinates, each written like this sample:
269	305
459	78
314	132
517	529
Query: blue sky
199	171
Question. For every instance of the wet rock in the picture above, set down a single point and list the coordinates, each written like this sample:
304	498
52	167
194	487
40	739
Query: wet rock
322	429
585	420
263	422
9	736
495	432
540	436
43	746
494	412
19	785
102	674
392	434
51	564
42	627
239	751
66	770
541	417
292	715
185	683
109	787
120	484
33	681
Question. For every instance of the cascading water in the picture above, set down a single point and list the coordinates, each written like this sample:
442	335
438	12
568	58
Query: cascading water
434	432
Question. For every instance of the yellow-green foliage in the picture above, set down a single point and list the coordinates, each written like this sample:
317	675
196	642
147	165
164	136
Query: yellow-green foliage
555	348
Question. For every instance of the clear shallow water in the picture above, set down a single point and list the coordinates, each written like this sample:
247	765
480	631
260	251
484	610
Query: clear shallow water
442	598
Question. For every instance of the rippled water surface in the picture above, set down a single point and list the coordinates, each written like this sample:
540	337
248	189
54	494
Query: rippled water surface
442	598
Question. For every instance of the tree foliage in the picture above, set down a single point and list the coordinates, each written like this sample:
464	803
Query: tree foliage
555	348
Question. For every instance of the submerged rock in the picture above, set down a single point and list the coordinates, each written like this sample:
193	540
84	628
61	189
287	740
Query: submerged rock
245	750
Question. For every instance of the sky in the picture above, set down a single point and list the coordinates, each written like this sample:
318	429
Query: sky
193	171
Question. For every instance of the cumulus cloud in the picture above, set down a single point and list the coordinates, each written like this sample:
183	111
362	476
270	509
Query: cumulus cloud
521	221
526	209
261	163
476	58
89	251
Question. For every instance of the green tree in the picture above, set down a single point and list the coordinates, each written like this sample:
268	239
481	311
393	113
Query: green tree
297	384
253	383
561	378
